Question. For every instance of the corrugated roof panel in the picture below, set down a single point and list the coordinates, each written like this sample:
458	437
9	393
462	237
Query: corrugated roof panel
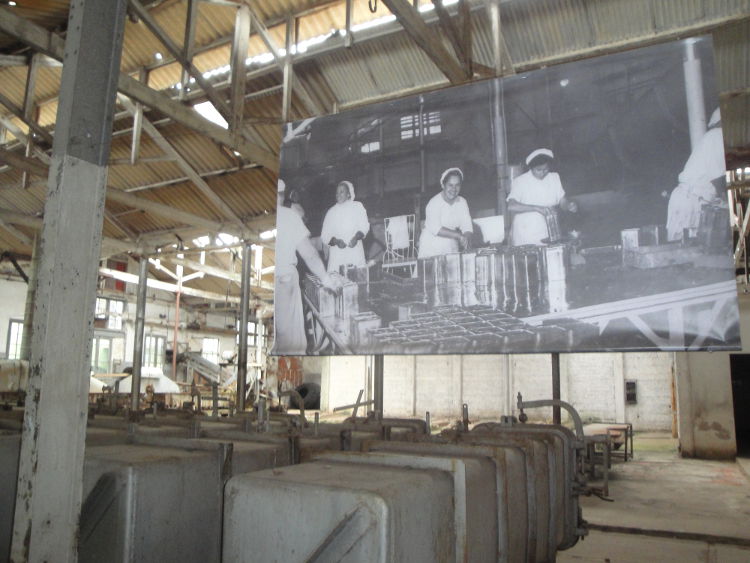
732	56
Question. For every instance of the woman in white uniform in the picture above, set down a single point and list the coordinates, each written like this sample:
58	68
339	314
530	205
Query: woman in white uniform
533	196
344	227
698	182
448	226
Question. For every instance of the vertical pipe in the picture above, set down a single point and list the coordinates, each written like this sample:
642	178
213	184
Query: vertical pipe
556	418
696	108
502	170
176	329
242	351
28	316
378	384
140	318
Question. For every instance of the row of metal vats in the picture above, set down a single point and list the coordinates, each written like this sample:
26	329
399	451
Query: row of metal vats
470	301
368	489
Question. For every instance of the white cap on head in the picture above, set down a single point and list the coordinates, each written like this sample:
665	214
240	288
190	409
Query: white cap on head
539	152
349	186
715	118
280	185
448	172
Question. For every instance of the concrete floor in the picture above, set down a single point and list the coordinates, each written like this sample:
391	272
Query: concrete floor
703	505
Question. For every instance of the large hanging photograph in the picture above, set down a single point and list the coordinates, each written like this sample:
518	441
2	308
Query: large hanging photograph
576	208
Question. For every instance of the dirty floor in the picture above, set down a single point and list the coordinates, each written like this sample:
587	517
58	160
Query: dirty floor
667	508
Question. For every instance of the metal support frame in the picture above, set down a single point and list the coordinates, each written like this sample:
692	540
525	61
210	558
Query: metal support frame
188	47
140	318
242	332
242	29
50	475
556	415
378	372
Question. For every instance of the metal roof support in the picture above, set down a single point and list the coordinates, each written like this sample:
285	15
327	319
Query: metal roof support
51	44
135	142
500	54
20	114
16	233
184	165
50	473
153	26
242	25
191	19
460	38
285	62
428	41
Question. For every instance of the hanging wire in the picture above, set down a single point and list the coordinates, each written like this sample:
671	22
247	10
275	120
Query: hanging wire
373	5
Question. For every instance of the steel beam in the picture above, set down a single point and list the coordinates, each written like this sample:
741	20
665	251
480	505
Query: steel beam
183	164
166	286
242	332
50	474
191	19
30	123
135	140
460	40
140	318
53	45
16	233
378	377
428	41
154	27
242	29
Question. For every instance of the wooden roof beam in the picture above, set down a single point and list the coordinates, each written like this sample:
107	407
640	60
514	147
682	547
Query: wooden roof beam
412	22
53	45
183	164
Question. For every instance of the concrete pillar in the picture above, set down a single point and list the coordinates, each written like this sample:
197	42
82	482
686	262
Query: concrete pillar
377	384
140	321
696	108
242	349
28	316
50	481
618	380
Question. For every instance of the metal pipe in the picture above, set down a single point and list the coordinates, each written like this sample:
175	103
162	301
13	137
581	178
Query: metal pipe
378	385
577	422
556	415
242	333
696	108
140	318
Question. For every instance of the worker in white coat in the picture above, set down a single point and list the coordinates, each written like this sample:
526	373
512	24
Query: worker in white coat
703	173
292	238
344	227
534	195
448	226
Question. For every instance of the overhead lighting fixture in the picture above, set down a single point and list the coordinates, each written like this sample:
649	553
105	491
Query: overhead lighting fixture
158	56
11	3
266	235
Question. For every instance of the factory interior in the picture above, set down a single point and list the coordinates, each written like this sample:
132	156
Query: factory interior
587	399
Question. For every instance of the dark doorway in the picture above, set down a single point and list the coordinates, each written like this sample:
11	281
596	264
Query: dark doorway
740	368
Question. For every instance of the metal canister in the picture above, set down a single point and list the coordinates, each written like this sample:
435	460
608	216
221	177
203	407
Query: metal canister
553	227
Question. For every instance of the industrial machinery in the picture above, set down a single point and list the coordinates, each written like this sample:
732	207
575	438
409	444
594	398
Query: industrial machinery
279	487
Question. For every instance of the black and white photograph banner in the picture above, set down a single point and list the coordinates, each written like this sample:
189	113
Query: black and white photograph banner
577	208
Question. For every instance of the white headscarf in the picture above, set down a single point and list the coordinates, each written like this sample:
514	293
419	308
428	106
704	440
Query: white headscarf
449	172
349	186
539	152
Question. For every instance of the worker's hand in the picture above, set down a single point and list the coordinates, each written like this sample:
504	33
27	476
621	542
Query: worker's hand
464	241
353	242
330	282
572	207
340	243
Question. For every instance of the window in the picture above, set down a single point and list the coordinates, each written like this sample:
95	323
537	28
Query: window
108	313
153	351
430	125
15	334
372	146
210	349
101	355
254	333
631	396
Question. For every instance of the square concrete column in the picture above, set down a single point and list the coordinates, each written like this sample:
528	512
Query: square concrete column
48	501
